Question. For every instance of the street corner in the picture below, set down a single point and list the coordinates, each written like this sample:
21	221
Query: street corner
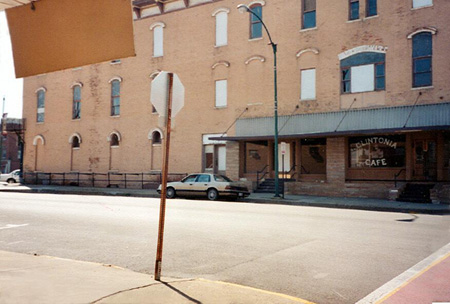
199	291
426	282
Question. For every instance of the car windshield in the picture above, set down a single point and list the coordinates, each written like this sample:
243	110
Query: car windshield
222	178
189	179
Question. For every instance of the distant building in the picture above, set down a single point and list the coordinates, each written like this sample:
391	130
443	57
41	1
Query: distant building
11	152
363	96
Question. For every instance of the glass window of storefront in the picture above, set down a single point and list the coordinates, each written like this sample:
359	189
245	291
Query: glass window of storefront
447	151
377	151
313	156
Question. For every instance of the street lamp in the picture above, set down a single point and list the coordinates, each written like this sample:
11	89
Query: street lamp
242	9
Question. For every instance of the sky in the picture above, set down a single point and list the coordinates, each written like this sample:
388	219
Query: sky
10	87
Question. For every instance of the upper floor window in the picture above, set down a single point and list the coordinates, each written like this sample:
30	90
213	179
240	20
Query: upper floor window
422	3
371	8
115	97
221	28
76	102
308	84
158	39
40	105
309	14
422	50
363	72
255	22
221	93
353	10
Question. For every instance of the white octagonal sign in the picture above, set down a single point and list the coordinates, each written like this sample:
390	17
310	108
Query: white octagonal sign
160	93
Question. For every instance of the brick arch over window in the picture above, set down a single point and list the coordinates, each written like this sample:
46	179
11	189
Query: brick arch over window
156	136
255	57
38	138
75	139
114	138
307	50
427	29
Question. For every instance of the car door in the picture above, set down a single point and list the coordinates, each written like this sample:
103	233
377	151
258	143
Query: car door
187	185
202	183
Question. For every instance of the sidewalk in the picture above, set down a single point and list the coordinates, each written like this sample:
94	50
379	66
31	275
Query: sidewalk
263	198
42	279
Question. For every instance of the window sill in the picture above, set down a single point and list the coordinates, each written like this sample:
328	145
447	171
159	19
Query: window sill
114	62
76	119
310	99
115	116
370	17
219	46
75	148
77	69
420	7
114	147
308	29
159	56
156	145
422	88
221	108
255	39
353	21
39	122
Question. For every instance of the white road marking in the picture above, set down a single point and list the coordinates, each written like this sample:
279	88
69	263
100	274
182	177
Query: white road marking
406	276
9	226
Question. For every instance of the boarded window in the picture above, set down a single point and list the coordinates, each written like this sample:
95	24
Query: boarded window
158	42
308	84
221	29
221	93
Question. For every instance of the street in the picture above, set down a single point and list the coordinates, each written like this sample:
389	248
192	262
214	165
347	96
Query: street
318	254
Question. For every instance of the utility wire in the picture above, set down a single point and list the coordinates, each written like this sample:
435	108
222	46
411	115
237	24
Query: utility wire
296	108
234	122
410	112
346	112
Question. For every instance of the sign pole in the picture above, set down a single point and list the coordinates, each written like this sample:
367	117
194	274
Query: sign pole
162	208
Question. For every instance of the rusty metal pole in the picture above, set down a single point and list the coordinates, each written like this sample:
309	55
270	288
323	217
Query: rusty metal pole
162	208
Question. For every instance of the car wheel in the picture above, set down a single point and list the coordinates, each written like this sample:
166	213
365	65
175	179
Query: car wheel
213	194
11	181
170	192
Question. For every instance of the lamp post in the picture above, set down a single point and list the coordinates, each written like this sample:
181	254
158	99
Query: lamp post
244	8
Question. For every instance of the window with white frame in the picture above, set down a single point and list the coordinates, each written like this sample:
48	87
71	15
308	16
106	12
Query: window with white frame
40	105
308	84
422	3
222	28
158	41
221	93
363	72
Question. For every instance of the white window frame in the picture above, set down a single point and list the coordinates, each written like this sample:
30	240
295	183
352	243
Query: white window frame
221	100
308	84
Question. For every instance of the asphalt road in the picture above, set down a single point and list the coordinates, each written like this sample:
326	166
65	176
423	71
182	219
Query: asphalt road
318	254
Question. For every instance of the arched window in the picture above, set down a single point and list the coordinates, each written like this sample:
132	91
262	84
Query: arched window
255	22
76	102
156	137
75	142
422	53
363	72
114	140
158	39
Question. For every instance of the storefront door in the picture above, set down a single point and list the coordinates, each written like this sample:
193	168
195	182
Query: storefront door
425	160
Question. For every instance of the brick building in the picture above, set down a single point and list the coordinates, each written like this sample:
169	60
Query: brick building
11	148
363	96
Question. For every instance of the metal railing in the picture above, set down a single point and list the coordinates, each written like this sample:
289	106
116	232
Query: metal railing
397	175
264	171
142	180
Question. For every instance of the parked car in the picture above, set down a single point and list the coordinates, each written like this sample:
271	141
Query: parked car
10	178
212	186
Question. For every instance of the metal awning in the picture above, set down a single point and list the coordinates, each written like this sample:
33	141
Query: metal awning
341	123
